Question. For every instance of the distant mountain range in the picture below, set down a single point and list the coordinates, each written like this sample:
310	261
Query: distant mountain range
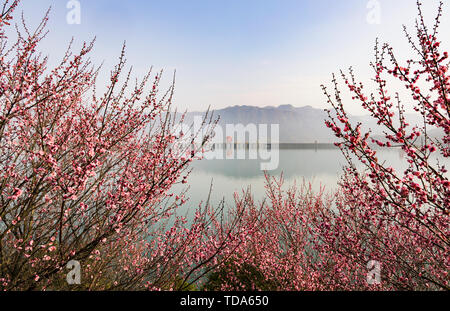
297	124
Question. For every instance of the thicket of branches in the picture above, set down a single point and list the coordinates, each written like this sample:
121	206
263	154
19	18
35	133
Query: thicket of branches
87	177
308	241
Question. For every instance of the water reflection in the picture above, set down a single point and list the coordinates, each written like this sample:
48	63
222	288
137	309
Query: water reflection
304	162
321	167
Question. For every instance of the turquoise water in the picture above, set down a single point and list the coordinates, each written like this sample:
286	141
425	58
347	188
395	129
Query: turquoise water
321	167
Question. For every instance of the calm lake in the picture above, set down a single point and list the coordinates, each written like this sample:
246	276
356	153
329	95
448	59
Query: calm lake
318	166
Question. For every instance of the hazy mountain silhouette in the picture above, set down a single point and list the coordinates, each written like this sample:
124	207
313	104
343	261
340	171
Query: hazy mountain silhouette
297	124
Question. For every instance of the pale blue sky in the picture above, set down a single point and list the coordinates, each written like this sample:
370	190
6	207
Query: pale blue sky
235	52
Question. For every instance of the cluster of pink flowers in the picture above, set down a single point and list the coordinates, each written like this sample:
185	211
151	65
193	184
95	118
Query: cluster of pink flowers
402	216
87	177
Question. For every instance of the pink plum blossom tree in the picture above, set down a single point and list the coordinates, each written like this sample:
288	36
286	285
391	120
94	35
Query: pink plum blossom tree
88	177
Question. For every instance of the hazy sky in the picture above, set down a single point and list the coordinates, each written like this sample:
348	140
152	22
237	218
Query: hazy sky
237	52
